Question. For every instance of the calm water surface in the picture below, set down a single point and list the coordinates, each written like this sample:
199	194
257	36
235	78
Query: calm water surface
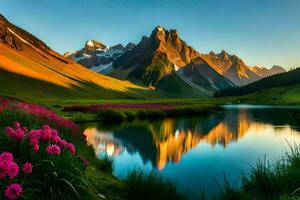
195	152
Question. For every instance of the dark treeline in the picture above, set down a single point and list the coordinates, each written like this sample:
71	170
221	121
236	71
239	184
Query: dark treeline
283	79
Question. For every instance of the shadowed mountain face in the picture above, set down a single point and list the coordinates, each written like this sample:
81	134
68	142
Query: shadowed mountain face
162	60
233	68
155	57
24	57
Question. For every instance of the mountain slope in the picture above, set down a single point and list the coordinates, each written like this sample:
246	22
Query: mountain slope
155	57
24	57
279	80
233	68
162	60
200	73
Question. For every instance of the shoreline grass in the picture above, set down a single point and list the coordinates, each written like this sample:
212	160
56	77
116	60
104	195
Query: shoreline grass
269	181
112	116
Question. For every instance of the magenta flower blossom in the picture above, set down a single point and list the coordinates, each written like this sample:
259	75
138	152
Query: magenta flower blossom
17	124
62	143
6	157
54	132
17	134
71	148
10	132
13	190
56	138
34	134
27	168
3	170
36	147
46	134
12	170
53	149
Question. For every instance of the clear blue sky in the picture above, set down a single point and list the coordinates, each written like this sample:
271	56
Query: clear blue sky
261	32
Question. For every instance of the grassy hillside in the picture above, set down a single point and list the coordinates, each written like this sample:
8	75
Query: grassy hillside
31	74
277	80
279	95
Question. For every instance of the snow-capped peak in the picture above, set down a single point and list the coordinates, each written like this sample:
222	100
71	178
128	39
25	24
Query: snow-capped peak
90	43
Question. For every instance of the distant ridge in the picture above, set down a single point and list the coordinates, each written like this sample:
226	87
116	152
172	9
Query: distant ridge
233	68
278	80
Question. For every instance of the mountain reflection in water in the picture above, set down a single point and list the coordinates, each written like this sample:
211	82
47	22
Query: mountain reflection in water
167	140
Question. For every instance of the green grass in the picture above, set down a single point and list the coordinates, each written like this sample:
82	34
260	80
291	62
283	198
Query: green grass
120	115
148	187
279	95
269	181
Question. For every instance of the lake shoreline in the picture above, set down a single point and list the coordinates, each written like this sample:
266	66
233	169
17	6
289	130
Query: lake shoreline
110	115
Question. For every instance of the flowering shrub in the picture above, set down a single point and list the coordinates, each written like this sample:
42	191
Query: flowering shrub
43	114
9	170
46	115
44	162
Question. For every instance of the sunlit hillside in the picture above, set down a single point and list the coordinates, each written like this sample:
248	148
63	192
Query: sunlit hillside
31	70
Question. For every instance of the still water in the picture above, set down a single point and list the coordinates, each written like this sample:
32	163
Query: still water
195	152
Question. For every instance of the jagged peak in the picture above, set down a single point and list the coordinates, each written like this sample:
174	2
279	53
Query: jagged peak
130	46
94	44
277	67
117	46
159	28
223	52
212	53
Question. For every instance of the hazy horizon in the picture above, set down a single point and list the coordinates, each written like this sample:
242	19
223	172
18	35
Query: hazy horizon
262	33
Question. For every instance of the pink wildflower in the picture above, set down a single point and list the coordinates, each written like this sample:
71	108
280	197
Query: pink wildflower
10	132
27	168
12	170
46	134
6	157
54	132
17	124
56	138
71	148
53	149
34	134
19	134
36	147
13	190
62	143
3	170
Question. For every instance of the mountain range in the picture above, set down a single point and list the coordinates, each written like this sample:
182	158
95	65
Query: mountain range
160	65
164	54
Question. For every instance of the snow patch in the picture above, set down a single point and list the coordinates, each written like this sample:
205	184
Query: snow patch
176	68
20	38
90	43
103	69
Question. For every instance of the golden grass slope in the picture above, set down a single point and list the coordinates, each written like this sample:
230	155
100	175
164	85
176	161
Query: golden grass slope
52	68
